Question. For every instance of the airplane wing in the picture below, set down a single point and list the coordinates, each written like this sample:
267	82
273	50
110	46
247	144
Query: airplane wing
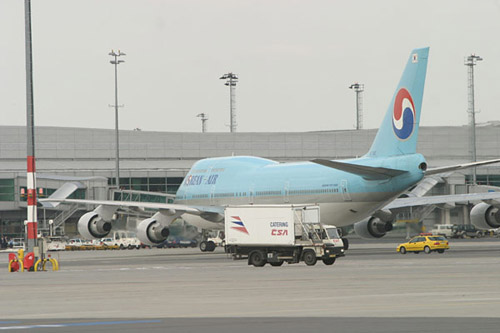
194	210
433	171
489	197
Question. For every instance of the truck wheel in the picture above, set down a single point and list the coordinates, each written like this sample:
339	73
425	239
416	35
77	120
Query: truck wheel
210	246
122	247
427	249
203	246
257	258
328	261
346	243
309	257
402	250
277	263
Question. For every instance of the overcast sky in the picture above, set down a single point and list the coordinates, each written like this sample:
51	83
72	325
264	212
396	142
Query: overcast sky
295	61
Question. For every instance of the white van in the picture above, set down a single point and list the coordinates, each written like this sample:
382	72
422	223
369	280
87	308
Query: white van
443	230
123	239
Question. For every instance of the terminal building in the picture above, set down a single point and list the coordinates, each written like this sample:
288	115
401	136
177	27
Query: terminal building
159	161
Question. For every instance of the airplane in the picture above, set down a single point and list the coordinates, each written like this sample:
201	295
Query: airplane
360	192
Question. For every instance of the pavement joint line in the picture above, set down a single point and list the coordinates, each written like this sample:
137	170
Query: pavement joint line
62	325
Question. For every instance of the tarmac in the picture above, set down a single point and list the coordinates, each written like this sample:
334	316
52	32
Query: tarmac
372	289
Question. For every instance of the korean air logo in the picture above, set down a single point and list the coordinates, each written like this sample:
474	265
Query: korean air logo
237	224
403	117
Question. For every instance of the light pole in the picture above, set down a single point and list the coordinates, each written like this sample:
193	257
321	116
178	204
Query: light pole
358	88
232	79
32	219
204	118
470	62
51	228
116	62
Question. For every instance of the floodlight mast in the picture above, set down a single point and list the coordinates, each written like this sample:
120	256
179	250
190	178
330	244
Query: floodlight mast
470	62
231	80
116	62
204	118
358	88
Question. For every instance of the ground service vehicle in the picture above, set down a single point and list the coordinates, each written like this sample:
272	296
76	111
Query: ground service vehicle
466	230
123	239
177	241
426	243
56	243
443	230
276	234
211	240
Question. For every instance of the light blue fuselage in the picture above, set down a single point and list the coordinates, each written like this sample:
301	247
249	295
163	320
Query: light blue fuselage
344	198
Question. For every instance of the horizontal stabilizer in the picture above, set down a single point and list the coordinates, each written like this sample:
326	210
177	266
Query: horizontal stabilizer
368	172
434	171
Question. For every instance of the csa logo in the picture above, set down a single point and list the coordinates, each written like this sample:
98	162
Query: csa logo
237	224
403	117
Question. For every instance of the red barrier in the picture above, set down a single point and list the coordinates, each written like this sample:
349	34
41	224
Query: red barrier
14	267
29	261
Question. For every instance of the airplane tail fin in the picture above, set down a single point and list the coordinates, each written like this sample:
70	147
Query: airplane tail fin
399	130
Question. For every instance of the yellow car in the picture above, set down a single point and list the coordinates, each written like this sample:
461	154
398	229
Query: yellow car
426	243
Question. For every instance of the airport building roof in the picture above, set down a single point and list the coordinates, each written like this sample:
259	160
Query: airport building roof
92	151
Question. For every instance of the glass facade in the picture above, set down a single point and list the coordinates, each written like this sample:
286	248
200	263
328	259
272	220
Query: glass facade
46	192
492	180
168	185
149	184
140	197
7	192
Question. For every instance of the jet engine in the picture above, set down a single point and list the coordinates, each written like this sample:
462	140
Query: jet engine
485	216
151	232
91	225
372	227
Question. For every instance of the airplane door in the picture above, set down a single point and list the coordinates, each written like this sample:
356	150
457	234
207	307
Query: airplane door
286	189
251	194
345	190
212	194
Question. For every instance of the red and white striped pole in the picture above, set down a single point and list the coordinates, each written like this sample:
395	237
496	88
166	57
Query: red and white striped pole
32	219
30	129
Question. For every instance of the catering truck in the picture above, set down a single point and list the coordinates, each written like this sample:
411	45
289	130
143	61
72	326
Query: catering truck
276	234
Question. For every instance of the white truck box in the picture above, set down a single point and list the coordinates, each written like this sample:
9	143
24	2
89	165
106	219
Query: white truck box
267	225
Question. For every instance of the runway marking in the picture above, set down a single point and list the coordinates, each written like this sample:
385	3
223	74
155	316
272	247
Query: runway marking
96	323
125	269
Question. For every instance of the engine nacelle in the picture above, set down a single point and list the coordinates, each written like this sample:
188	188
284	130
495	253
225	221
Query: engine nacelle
91	226
372	227
485	216
151	232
